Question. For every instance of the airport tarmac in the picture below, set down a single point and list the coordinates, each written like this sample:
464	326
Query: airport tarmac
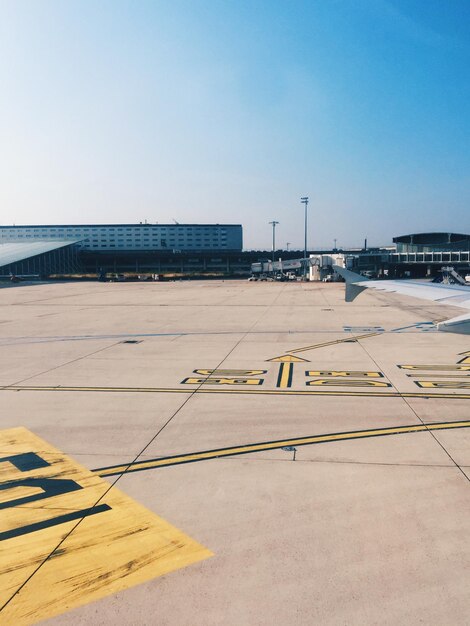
231	452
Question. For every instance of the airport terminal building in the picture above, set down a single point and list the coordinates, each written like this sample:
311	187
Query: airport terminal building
202	250
135	237
418	255
432	242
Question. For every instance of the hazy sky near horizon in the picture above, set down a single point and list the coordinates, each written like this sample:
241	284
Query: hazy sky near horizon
224	111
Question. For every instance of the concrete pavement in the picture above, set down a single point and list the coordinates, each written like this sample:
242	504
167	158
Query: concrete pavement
369	530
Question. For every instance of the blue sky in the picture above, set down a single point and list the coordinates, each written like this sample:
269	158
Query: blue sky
224	111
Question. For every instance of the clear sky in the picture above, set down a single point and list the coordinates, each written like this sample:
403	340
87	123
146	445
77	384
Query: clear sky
230	110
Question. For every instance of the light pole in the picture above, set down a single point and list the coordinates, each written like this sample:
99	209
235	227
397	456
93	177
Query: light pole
334	245
304	201
274	224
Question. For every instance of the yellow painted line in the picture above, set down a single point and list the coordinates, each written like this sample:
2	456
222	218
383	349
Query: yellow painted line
351	339
68	538
276	445
436	368
95	389
437	375
230	372
222	381
245	391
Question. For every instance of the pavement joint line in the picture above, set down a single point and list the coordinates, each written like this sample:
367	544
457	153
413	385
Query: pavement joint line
218	453
416	414
275	392
124	470
8	341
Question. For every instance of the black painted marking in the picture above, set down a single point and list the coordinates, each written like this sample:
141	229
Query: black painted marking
26	461
466	357
50	487
54	521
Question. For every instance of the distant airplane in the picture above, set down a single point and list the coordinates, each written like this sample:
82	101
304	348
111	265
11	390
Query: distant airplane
17	278
439	293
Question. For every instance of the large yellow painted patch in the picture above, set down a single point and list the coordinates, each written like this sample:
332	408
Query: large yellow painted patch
67	539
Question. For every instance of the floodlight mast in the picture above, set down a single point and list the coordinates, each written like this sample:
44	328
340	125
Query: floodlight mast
304	201
274	224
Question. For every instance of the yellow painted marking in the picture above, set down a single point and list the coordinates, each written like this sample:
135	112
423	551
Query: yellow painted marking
117	544
350	339
436	368
325	382
345	373
266	392
287	358
230	372
275	445
442	384
284	379
466	357
222	381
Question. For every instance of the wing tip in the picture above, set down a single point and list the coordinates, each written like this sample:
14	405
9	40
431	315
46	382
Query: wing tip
353	280
459	325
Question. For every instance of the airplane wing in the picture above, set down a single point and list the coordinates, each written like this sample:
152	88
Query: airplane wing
442	294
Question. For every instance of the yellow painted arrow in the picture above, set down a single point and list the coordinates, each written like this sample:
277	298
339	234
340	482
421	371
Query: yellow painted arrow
288	358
